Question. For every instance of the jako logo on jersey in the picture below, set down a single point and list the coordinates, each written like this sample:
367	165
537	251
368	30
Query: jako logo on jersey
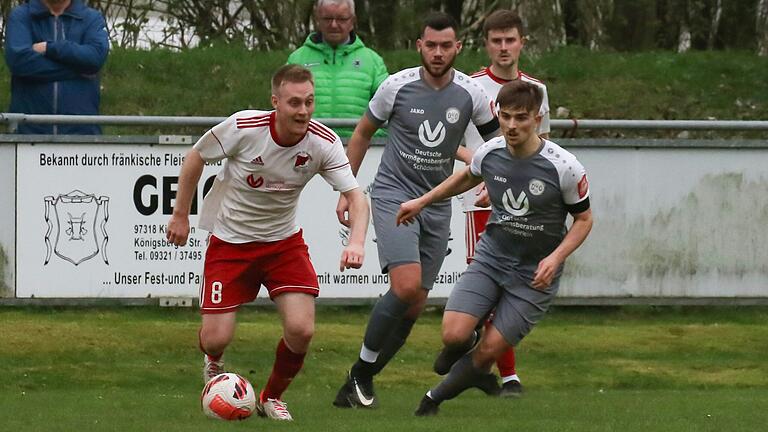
255	183
302	160
417	111
431	137
515	206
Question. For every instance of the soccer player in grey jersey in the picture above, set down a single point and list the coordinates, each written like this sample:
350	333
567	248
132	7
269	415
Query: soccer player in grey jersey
533	185
428	109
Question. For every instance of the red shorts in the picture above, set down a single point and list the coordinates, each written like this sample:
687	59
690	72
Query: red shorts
476	221
234	273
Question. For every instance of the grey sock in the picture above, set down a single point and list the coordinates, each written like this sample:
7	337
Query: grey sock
385	318
463	375
393	344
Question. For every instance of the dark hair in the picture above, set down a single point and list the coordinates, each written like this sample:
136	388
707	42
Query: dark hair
503	19
290	73
439	21
519	94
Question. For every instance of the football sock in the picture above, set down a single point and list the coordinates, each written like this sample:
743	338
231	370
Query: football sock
287	366
462	376
506	363
393	344
509	378
385	317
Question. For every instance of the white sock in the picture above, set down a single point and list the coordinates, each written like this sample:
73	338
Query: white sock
367	355
507	379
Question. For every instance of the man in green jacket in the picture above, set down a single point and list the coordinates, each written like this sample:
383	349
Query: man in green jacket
346	72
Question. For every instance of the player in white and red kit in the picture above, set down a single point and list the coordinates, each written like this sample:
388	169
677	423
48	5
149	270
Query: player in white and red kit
251	215
504	40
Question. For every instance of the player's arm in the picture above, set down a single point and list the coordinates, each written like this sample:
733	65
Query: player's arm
353	254
582	225
356	148
191	170
464	154
458	182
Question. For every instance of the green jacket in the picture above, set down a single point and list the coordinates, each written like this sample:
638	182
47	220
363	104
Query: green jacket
345	78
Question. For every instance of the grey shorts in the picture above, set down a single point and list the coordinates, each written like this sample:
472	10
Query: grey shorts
424	241
518	307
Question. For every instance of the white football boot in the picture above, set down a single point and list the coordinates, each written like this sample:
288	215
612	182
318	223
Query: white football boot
211	368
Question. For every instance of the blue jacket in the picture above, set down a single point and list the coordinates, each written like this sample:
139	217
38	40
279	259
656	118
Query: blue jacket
65	80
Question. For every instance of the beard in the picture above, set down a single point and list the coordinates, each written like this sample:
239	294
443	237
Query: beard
438	71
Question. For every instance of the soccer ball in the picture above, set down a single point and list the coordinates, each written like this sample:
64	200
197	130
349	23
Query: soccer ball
228	396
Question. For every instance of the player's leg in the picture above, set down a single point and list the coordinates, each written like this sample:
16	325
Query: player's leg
229	281
292	284
470	301
216	333
388	328
471	370
511	386
297	313
398	248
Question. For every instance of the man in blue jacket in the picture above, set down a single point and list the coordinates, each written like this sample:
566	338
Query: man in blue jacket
54	50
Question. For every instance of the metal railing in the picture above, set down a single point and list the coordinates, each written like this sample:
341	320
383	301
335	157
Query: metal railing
13	120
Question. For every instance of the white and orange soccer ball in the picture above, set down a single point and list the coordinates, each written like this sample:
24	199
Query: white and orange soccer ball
228	396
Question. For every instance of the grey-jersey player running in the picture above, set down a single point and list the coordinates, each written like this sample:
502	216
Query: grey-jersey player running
533	185
428	109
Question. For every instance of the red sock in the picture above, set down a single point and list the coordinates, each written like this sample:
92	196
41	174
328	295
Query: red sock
287	365
506	363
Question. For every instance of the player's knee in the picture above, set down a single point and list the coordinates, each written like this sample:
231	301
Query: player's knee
454	336
299	335
410	292
215	340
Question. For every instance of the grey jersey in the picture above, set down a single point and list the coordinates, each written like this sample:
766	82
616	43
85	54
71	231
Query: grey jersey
425	129
530	199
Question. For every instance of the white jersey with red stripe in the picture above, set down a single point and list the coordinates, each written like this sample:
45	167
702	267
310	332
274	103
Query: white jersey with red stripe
492	84
255	195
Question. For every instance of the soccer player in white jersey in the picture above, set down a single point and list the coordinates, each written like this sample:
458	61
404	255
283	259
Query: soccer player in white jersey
428	108
504	41
533	184
251	215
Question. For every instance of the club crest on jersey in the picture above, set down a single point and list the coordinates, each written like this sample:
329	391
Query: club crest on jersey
302	161
81	221
536	187
515	206
452	115
583	186
255	183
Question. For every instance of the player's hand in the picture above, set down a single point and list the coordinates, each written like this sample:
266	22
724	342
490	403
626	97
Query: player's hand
352	257
342	211
178	230
408	211
40	47
545	272
483	199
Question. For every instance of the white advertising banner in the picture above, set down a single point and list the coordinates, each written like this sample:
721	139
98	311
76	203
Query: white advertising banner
91	222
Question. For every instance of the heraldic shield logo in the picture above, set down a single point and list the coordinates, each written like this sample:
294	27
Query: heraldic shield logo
73	226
